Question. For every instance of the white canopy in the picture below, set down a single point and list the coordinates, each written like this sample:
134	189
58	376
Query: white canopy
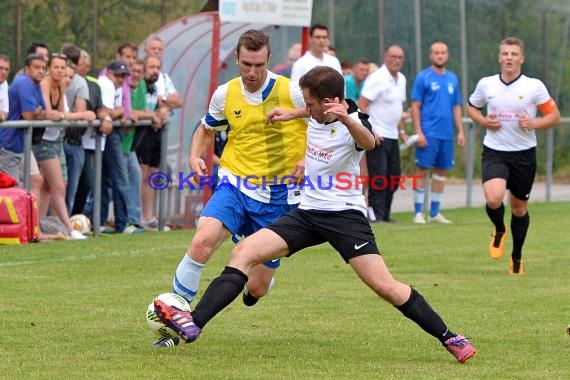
187	59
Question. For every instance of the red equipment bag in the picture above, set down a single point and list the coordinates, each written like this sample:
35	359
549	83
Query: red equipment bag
19	222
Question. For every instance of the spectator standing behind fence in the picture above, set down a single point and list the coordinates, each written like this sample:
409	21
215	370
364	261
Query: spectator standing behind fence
36	179
346	67
383	97
353	83
139	111
127	53
149	149
48	144
4	101
114	164
509	146
36	47
167	94
26	103
148	141
4	111
76	94
436	109
355	80
95	104
316	55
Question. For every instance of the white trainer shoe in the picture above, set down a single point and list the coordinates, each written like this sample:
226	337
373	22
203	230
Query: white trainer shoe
76	235
419	218
439	219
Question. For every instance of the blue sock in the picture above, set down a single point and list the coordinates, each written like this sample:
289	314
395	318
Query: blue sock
419	200
187	278
435	203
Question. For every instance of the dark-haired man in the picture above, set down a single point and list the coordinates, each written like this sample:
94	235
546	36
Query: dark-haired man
316	55
26	103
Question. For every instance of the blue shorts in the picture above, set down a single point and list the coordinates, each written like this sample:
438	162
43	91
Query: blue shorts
242	215
437	154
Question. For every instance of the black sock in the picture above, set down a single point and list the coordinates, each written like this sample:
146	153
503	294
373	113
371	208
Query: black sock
220	293
519	227
418	310
497	217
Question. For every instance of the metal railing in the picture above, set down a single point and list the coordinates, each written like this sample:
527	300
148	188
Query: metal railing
29	125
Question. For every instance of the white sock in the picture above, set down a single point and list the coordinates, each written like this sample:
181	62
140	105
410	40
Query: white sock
271	283
187	278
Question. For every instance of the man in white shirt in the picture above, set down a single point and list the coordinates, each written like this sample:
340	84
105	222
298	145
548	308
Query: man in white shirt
168	99
509	146
4	71
166	91
316	55
114	162
383	97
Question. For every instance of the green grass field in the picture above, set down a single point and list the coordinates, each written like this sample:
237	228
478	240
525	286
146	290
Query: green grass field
76	310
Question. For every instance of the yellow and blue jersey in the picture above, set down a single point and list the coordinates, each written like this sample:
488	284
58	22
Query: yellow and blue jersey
258	149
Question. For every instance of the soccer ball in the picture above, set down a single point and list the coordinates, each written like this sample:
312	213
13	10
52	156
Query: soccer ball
81	223
152	320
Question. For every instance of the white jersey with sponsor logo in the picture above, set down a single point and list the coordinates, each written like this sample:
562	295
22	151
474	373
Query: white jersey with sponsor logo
332	162
508	102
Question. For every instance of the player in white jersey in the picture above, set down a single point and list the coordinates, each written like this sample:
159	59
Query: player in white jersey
509	147
336	137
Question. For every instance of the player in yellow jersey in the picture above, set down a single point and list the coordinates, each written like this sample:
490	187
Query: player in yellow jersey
267	155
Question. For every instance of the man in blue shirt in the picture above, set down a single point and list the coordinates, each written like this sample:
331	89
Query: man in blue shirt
436	108
26	103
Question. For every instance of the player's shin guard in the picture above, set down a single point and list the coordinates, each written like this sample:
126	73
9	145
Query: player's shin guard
221	292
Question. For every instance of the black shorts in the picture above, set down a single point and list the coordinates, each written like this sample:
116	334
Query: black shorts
517	168
148	151
347	231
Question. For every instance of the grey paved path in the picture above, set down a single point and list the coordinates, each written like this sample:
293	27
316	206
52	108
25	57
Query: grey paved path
455	195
